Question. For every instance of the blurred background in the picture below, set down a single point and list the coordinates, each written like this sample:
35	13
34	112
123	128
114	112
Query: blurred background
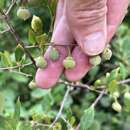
43	105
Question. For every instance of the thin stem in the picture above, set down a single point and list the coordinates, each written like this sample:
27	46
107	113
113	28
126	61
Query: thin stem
16	67
10	7
63	118
62	106
17	38
21	73
98	98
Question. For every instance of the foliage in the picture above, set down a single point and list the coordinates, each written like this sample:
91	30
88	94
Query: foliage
22	107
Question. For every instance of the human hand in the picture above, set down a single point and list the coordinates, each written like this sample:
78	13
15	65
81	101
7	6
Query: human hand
89	23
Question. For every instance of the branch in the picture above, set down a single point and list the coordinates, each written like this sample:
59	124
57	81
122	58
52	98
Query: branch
16	67
98	98
80	85
6	30
94	104
10	7
62	106
17	38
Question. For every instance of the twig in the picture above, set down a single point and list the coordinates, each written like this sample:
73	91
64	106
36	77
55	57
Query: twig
63	118
98	98
21	73
126	81
10	7
17	38
94	104
39	124
15	67
6	30
84	86
62	106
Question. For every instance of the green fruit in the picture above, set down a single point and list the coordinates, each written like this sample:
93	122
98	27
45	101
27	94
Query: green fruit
95	60
32	84
36	24
23	13
127	95
41	62
69	62
117	107
116	94
54	54
107	54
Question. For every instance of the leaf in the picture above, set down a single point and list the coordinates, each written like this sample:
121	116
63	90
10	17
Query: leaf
41	39
123	72
16	116
5	123
24	126
113	75
31	37
112	86
87	119
19	52
2	99
5	59
2	3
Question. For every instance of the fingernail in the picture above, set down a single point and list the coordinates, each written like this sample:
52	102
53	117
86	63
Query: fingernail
94	43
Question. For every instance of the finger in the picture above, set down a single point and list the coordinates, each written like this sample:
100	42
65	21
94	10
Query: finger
81	68
46	78
117	10
59	11
88	24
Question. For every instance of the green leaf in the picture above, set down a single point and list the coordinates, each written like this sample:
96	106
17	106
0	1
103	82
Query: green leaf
112	86
2	99
31	37
16	116
41	39
2	3
19	52
24	126
5	59
113	75
87	119
17	110
123	71
5	123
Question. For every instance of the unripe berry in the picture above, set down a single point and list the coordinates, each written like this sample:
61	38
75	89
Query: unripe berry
23	13
107	54
36	24
41	62
32	84
95	60
116	106
69	62
116	94
127	95
54	54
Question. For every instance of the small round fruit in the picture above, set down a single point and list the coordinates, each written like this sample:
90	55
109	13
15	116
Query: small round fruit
32	84
69	62
117	107
54	54
127	95
23	13
36	23
116	94
41	62
95	60
107	54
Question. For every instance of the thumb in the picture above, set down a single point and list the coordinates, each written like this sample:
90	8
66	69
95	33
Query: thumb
88	24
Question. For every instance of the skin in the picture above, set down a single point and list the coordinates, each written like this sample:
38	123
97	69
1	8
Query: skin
88	23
